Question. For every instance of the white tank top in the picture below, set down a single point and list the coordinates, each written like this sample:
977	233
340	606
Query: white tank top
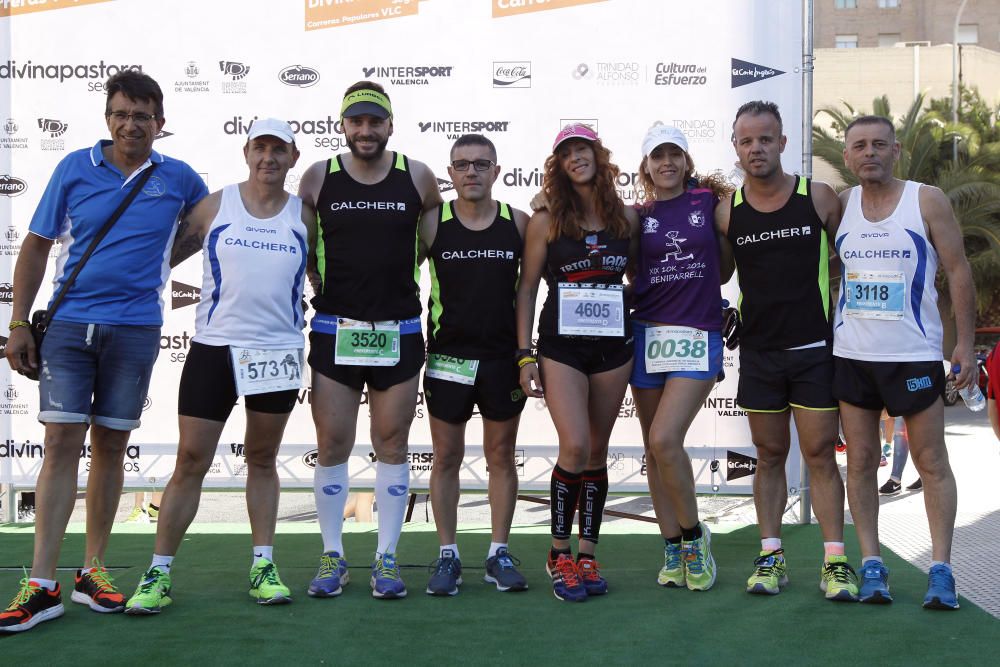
254	274
887	310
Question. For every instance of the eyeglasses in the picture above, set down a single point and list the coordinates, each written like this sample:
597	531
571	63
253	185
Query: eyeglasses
478	165
136	116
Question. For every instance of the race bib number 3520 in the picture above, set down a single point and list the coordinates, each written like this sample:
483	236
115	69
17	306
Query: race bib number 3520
367	343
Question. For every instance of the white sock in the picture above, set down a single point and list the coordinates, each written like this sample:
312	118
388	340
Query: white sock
330	487
162	562
453	548
392	488
47	584
877	559
494	547
933	563
262	553
770	544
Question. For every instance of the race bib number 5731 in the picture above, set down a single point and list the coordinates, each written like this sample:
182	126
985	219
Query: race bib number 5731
264	371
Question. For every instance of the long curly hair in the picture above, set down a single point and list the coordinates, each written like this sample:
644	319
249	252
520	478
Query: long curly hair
716	182
567	207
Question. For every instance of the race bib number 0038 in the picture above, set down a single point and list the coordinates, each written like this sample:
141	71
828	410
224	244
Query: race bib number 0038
875	295
367	343
671	349
264	371
591	310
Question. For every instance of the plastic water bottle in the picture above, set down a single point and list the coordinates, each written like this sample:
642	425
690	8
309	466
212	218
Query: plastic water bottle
974	399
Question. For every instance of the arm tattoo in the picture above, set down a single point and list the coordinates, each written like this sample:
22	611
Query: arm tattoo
187	242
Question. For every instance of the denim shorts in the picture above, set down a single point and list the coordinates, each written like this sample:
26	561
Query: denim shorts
644	380
96	373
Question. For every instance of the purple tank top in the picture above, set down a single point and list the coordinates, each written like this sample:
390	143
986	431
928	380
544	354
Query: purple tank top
677	281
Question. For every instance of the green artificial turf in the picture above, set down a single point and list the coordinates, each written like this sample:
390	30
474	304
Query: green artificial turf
214	622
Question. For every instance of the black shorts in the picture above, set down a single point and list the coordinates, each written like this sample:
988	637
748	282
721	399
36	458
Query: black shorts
588	354
379	378
208	388
903	388
774	380
497	392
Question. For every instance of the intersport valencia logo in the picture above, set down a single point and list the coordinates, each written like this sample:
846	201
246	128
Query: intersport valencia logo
453	129
408	75
745	72
299	76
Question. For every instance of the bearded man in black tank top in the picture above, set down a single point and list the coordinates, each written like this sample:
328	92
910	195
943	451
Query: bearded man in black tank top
473	246
777	226
367	327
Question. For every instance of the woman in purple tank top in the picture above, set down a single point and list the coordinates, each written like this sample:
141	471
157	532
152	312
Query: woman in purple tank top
677	323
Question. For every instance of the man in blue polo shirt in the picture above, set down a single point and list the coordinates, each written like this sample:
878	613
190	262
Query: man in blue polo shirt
95	362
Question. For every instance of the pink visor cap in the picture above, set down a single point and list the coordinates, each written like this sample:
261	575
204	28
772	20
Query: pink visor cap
574	131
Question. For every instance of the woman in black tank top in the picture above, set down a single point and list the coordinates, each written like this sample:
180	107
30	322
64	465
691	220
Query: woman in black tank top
582	244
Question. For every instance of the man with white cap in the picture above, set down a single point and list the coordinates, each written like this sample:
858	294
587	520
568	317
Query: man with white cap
248	342
367	327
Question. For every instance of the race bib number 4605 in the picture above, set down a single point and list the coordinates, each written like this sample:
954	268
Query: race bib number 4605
264	371
591	310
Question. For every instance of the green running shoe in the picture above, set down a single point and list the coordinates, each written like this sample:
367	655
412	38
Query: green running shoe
699	565
266	586
672	573
838	580
152	594
769	573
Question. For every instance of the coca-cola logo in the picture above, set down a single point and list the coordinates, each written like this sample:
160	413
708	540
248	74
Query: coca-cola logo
512	74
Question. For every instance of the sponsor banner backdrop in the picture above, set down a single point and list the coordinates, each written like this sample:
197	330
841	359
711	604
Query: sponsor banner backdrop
512	71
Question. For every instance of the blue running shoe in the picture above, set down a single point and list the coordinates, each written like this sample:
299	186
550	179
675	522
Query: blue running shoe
386	582
446	575
874	583
331	578
566	584
940	589
501	570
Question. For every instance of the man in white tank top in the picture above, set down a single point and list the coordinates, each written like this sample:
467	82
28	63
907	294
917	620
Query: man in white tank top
888	342
248	343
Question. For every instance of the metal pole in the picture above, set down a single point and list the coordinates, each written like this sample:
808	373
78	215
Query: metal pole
9	503
805	504
954	80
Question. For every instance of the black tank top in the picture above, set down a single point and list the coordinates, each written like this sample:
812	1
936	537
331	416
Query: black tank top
782	262
473	286
597	258
366	247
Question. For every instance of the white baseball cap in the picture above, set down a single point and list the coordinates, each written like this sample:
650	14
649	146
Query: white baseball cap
663	134
272	127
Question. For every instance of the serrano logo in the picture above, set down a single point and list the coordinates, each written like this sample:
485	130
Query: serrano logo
310	458
503	8
511	74
6	293
11	186
299	76
745	72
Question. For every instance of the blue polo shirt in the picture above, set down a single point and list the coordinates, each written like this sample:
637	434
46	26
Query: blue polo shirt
123	280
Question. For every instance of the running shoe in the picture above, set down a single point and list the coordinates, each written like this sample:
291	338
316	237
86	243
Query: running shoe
265	584
96	589
699	565
566	584
672	573
138	515
386	582
890	488
916	486
152	594
501	570
331	578
769	574
31	606
590	575
941	589
874	583
446	575
838	580
152	512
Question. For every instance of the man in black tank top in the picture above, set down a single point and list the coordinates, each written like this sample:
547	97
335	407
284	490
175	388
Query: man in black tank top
473	246
777	226
367	327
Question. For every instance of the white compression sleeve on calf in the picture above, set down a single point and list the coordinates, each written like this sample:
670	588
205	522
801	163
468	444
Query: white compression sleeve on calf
392	490
330	486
